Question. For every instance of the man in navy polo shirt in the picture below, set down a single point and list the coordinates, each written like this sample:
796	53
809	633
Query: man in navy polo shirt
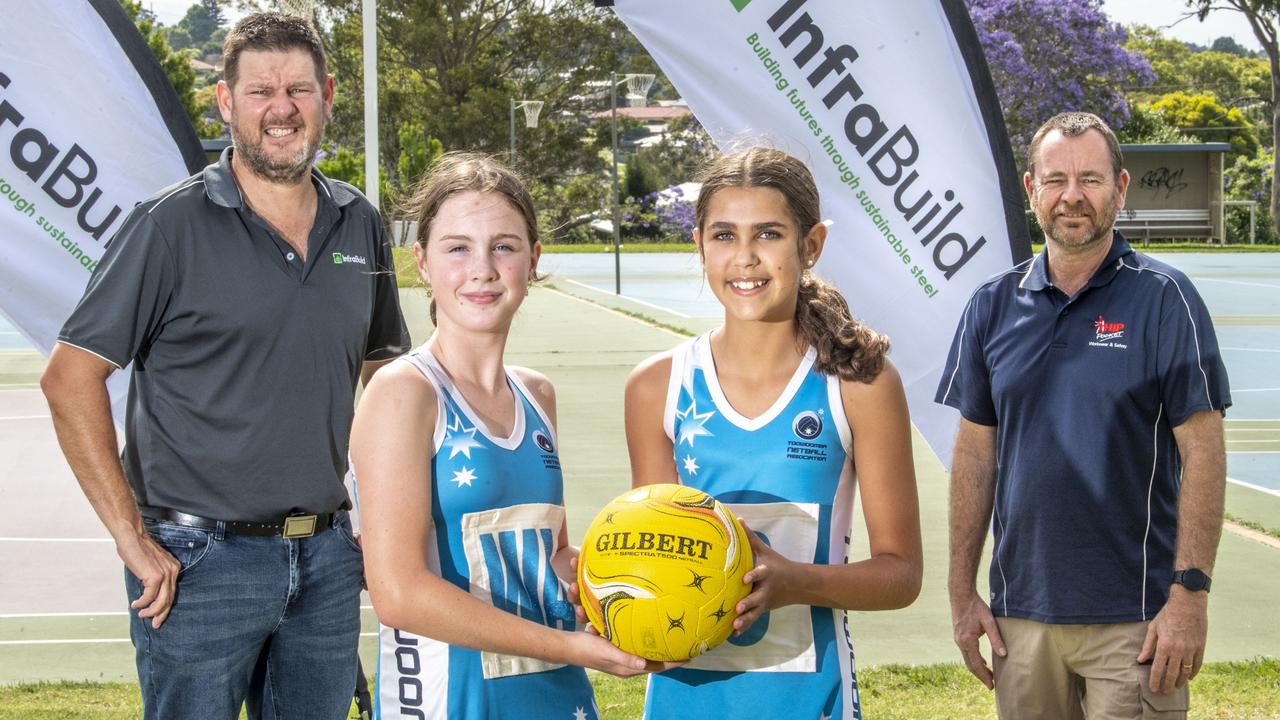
1091	392
250	299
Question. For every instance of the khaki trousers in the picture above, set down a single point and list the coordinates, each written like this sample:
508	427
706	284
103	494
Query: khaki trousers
1073	672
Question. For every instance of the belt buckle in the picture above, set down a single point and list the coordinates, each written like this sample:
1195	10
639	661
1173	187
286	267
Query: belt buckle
299	526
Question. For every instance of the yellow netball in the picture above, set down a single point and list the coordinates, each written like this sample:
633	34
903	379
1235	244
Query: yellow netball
660	572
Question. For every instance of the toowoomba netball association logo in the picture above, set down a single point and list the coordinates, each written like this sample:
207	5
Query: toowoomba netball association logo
542	441
807	425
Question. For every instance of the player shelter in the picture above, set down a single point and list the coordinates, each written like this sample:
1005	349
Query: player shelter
1175	191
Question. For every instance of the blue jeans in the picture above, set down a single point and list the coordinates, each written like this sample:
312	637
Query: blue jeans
272	621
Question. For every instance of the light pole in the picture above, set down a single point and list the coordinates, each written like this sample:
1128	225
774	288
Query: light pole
531	110
638	89
369	14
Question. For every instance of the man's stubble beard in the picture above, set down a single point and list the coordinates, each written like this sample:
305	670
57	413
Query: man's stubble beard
1103	219
263	165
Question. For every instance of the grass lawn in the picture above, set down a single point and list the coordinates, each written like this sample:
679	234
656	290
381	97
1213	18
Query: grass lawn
406	267
1188	247
1223	691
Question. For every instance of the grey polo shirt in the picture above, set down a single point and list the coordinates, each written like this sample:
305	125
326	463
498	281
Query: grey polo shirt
245	357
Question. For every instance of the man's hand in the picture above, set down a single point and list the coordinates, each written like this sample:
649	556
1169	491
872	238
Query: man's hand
971	618
74	382
1175	639
158	571
973	491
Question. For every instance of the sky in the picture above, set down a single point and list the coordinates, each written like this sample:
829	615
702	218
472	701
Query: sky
1163	14
171	11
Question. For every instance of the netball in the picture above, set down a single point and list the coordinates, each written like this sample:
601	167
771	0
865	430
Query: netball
661	569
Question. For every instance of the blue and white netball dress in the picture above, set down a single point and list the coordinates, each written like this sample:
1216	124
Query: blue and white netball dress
786	473
497	505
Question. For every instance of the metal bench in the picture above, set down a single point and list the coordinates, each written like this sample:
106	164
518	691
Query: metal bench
1148	224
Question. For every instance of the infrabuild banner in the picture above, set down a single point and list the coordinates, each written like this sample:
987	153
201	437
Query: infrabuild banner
89	126
892	106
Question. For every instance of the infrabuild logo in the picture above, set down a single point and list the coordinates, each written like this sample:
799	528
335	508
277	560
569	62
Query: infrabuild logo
339	259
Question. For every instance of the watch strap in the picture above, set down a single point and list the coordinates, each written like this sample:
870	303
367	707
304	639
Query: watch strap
1193	579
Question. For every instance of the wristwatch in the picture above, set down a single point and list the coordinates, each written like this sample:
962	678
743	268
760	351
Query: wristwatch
1192	579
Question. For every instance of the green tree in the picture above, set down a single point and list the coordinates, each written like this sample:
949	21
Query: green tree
201	29
1263	16
348	167
210	124
1237	80
641	181
178	37
1251	179
1168	59
1149	126
566	208
417	151
1201	116
200	21
453	66
213	46
214	10
681	153
176	65
1229	44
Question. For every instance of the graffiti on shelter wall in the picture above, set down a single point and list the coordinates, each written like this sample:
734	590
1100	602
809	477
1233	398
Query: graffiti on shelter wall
1163	179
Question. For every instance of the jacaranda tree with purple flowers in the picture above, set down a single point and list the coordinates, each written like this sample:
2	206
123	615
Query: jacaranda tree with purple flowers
1050	56
676	215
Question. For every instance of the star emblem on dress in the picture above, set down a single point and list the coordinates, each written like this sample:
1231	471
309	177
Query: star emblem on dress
691	426
579	714
690	465
464	476
460	439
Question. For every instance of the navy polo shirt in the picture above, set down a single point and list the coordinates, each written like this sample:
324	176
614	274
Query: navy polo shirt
1085	393
245	356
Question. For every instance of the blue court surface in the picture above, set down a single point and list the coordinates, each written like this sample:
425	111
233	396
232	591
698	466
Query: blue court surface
1241	290
670	281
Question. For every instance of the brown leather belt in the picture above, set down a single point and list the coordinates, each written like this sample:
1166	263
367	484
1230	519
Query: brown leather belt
289	527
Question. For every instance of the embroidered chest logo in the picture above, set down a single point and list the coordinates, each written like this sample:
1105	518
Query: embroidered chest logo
340	259
1108	334
1107	330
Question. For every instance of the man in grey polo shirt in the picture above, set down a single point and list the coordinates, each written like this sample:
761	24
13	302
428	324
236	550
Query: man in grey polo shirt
250	299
